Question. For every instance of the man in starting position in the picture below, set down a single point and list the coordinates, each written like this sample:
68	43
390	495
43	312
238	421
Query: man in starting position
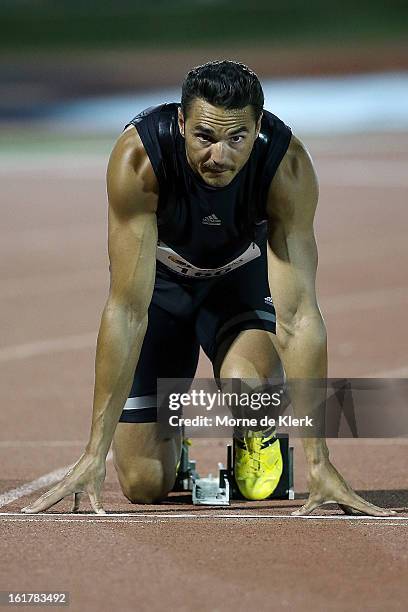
206	200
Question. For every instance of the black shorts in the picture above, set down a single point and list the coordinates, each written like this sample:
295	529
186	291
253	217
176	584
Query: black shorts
185	314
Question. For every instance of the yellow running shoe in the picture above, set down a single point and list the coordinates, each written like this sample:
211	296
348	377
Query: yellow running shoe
257	464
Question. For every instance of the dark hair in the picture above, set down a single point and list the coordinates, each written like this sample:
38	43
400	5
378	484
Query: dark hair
225	83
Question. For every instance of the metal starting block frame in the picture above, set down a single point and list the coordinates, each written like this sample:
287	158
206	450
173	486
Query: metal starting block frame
219	491
205	491
186	473
212	491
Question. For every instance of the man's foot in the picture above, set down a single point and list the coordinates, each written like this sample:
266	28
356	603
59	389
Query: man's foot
257	464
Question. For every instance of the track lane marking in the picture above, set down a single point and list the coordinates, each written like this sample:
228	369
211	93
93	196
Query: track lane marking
21	287
35	485
46	347
331	304
111	517
40	443
30	487
401	372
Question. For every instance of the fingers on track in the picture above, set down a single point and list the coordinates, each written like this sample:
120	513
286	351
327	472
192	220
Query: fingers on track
46	501
77	501
95	499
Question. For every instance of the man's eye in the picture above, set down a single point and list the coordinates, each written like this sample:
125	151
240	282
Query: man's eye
237	138
203	138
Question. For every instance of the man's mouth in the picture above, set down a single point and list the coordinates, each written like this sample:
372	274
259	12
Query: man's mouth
216	170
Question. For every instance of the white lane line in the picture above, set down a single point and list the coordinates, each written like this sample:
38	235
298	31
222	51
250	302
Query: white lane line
361	300
21	287
390	524
401	372
331	304
363	173
55	166
44	347
89	520
44	481
356	148
31	487
44	516
40	443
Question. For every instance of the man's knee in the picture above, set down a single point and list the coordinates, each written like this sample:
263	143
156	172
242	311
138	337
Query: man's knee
148	482
251	356
251	375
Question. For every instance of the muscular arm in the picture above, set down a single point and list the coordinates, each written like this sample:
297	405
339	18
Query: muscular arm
292	264
132	194
132	253
301	333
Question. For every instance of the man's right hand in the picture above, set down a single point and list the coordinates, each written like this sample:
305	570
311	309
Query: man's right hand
87	475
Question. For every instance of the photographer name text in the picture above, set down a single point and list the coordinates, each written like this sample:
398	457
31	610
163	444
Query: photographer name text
229	421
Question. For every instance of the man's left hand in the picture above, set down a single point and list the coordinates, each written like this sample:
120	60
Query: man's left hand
327	486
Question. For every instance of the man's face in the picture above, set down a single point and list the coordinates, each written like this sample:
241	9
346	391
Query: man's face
218	141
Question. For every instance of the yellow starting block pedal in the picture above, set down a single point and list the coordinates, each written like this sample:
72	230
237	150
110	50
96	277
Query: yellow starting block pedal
284	489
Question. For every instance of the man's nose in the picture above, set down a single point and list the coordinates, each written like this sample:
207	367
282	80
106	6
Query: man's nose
218	153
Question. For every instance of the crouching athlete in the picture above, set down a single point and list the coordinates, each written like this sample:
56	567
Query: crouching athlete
198	193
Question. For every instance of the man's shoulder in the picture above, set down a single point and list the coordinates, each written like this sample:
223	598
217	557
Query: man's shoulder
272	124
295	180
297	150
129	148
129	168
157	128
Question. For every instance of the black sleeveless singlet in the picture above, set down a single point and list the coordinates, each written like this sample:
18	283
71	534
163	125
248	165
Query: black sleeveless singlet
207	231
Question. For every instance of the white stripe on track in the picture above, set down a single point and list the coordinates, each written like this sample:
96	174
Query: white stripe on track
363	173
22	287
44	481
40	443
44	347
401	372
331	304
361	300
31	487
54	166
93	519
44	516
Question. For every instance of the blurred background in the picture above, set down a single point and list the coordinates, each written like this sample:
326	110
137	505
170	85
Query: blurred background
74	73
88	66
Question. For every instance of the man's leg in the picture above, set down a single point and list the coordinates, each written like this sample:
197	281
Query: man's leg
258	464
250	355
236	326
146	463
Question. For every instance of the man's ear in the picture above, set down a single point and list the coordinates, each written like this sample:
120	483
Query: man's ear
181	123
258	125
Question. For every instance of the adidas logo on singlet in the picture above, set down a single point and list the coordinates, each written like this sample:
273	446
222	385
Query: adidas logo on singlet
211	220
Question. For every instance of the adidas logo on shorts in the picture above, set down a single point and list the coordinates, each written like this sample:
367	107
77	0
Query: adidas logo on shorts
211	220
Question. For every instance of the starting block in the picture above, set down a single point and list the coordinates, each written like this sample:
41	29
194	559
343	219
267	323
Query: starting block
186	473
212	491
205	491
284	489
219	491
